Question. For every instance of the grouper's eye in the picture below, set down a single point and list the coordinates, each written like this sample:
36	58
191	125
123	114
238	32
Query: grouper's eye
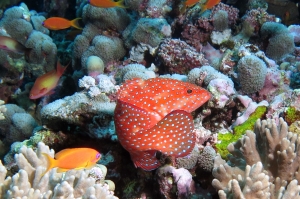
189	91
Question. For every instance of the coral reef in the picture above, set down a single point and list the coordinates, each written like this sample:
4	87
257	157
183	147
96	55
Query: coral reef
30	182
220	86
131	71
107	48
43	49
169	176
179	57
147	31
16	124
103	18
245	54
92	106
252	72
263	164
281	42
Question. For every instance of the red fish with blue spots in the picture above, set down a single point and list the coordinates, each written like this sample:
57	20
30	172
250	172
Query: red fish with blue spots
154	115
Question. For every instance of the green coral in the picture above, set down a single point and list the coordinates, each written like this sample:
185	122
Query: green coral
291	115
238	131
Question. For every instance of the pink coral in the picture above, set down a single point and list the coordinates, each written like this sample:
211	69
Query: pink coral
233	13
169	176
197	33
295	31
179	57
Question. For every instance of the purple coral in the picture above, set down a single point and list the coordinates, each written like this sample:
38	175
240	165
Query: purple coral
169	176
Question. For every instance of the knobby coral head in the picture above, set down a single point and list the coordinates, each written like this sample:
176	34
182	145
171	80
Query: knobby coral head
154	115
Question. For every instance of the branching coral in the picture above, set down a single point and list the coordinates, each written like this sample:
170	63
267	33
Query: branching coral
264	164
30	183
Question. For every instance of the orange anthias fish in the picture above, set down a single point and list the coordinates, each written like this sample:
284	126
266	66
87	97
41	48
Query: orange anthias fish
190	3
10	44
58	23
209	4
154	115
44	84
76	158
107	3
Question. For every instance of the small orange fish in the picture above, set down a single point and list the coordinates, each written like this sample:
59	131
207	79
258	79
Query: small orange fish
76	158
209	4
107	3
44	84
58	23
154	115
9	44
190	3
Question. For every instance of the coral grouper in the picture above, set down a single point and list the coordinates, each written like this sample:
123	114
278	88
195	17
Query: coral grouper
154	115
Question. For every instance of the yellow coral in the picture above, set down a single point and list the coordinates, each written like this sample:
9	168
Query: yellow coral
295	127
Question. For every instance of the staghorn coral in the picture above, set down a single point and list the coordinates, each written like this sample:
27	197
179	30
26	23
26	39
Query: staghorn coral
30	183
264	163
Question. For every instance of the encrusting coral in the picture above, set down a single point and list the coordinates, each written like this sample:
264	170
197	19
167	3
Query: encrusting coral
263	164
30	183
